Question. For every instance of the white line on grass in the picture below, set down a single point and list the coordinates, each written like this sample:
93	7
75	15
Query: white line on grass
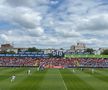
63	81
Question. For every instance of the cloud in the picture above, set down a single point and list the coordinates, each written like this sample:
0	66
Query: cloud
27	18
26	3
19	2
66	22
95	22
3	37
35	32
66	33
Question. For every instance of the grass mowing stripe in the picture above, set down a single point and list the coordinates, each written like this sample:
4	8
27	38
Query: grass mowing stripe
52	81
102	71
30	82
98	75
101	75
83	77
63	81
6	84
3	69
7	73
38	78
73	82
22	77
95	82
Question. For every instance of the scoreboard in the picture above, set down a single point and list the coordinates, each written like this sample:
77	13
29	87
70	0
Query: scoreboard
57	53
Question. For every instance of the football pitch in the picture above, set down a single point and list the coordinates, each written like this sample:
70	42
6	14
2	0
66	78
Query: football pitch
54	79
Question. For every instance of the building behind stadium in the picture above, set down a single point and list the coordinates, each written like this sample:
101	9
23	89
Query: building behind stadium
78	48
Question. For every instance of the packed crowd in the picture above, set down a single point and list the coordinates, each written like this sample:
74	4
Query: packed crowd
49	62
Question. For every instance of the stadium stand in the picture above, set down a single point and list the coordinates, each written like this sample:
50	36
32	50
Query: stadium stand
54	62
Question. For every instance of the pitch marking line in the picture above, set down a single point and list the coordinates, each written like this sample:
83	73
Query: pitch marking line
63	81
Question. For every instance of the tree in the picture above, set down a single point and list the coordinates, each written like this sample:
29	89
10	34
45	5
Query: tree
19	50
61	48
89	50
105	52
33	49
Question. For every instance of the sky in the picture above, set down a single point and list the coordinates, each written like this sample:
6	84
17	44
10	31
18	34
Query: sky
54	23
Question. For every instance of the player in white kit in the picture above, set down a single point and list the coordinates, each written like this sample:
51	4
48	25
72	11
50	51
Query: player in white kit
29	72
13	78
93	70
73	70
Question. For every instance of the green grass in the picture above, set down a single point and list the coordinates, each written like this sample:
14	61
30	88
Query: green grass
85	56
54	79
